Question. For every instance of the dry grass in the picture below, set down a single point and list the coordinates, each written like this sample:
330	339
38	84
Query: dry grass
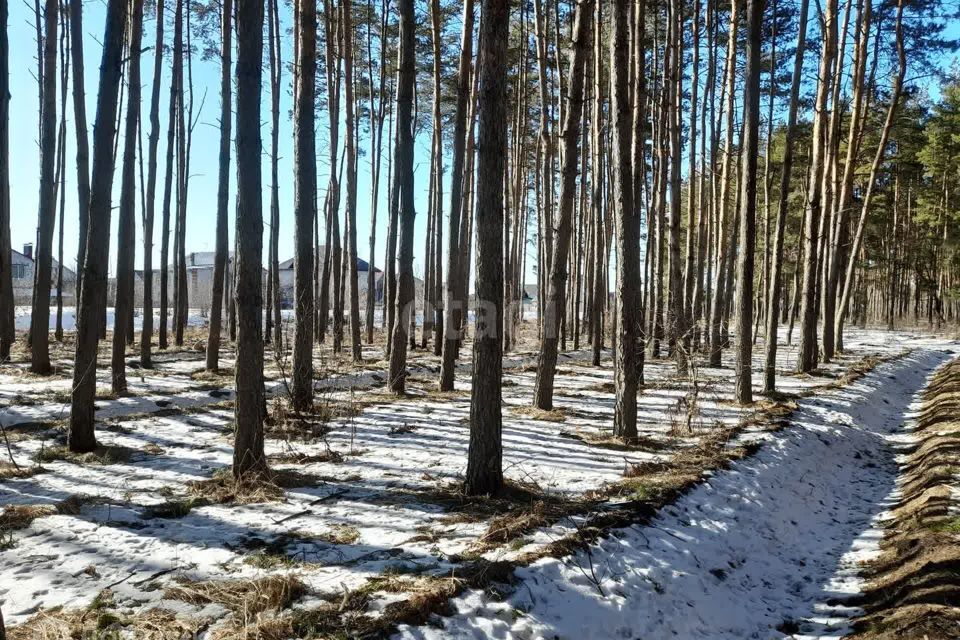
10	472
555	415
100	620
102	455
340	534
19	516
224	488
242	597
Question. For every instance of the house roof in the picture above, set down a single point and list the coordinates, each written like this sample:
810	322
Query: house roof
67	272
362	265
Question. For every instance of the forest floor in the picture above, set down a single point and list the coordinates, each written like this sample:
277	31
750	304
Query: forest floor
721	521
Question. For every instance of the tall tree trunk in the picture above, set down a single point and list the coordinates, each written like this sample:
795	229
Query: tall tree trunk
223	185
557	292
484	458
176	79
276	72
47	214
248	454
7	326
406	76
126	217
81	437
80	126
351	143
377	117
146	334
722	204
438	184
807	352
61	178
454	305
627	223
305	185
676	316
776	267
895	94
748	203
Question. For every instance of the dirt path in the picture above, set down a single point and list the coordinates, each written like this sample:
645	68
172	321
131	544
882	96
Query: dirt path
764	550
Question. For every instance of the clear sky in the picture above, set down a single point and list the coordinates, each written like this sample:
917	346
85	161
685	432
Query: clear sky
201	215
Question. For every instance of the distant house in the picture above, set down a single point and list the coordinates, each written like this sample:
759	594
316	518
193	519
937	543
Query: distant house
363	269
24	267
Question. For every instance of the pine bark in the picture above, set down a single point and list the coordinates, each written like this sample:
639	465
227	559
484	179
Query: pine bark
248	454
47	214
557	292
304	193
748	204
81	437
626	219
7	326
776	265
80	127
351	144
406	212
176	79
223	186
807	351
454	304
485	455
126	216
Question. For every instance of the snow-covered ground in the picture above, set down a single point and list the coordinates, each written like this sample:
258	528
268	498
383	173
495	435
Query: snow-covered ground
767	549
395	457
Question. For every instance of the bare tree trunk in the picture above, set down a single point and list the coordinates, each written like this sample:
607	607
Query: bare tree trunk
223	185
895	94
81	437
351	142
377	117
807	353
61	179
776	267
276	74
557	292
748	203
627	223
146	334
126	217
248	454
7	326
47	215
484	458
677	331
305	176
722	206
406	76
80	126
454	305
176	80
438	183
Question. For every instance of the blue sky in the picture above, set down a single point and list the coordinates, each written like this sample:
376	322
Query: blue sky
201	215
24	152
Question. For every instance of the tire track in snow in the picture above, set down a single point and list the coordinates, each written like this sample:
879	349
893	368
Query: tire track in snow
756	551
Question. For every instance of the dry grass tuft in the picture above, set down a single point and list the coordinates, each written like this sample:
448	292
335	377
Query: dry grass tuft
555	415
340	534
10	472
100	620
244	597
19	516
103	455
224	488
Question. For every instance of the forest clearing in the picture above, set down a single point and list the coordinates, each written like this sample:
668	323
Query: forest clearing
655	332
